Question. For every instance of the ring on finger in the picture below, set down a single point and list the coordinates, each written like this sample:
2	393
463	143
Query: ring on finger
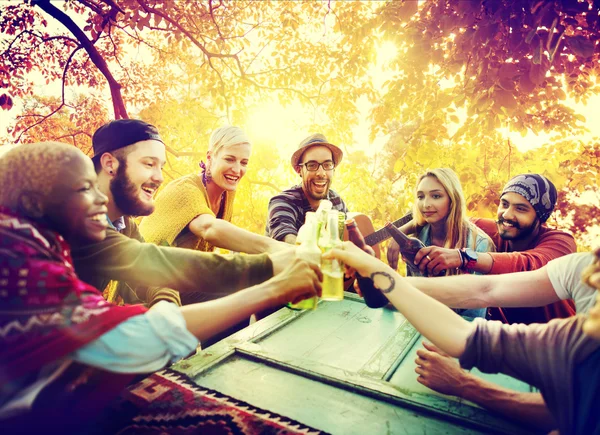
428	257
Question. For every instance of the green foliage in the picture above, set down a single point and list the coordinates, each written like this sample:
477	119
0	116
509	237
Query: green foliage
463	73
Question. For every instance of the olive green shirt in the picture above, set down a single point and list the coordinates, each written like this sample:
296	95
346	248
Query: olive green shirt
144	270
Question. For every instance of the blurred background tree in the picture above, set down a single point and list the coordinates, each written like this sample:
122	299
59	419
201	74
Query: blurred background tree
402	86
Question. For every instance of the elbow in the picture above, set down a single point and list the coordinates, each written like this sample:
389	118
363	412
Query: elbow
206	229
211	235
488	292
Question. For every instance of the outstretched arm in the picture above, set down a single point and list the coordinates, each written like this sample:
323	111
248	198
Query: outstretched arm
442	373
300	280
226	235
146	342
437	322
523	289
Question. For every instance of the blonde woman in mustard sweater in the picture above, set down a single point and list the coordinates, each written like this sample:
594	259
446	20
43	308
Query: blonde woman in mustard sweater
195	211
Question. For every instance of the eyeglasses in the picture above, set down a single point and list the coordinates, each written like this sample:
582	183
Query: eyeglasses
313	166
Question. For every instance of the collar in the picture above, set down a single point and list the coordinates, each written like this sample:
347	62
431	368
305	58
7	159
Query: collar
118	224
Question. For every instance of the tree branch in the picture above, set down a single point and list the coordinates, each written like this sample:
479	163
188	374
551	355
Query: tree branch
211	9
181	153
65	20
64	78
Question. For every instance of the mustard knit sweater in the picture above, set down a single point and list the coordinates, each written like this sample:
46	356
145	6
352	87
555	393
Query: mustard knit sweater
180	202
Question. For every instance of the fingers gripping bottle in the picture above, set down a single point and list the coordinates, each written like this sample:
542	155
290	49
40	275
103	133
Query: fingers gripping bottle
409	246
333	270
371	294
309	251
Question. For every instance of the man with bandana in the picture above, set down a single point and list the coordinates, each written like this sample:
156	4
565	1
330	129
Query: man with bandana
523	243
314	161
129	155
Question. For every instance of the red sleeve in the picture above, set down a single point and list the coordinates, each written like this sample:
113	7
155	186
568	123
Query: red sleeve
552	244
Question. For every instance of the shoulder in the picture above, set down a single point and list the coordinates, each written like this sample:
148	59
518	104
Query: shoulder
334	195
554	234
132	229
187	182
565	275
482	241
336	200
577	260
293	195
487	225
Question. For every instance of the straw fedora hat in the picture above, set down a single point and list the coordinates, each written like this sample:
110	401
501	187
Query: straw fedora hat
316	139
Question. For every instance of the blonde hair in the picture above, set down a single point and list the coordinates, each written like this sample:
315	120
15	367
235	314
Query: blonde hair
458	226
32	169
226	136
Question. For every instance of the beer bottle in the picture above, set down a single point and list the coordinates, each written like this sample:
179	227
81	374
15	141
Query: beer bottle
322	212
371	294
311	218
309	251
333	270
409	246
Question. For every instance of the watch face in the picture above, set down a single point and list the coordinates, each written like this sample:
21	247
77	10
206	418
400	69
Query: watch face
471	254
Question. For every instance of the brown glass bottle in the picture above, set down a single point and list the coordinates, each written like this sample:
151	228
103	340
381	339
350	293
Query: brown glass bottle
409	246
371	294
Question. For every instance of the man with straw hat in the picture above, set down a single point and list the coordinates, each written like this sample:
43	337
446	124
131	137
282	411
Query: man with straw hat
314	161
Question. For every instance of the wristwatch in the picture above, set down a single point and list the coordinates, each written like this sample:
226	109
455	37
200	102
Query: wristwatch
469	259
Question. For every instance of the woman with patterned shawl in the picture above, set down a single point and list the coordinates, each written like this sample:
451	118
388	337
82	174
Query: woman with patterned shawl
65	352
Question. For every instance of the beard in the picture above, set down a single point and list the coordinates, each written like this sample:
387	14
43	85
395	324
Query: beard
126	194
522	232
311	194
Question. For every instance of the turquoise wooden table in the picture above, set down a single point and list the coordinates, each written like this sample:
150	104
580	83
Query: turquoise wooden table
343	368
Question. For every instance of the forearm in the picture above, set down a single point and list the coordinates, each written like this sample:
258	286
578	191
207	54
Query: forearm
206	319
434	320
523	289
123	259
460	291
228	236
484	263
528	408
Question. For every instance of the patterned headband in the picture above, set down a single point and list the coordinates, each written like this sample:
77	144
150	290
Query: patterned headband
538	190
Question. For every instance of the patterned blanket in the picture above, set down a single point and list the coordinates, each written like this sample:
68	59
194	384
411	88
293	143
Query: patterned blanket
170	402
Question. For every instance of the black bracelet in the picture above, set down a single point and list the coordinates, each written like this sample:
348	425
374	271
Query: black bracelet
388	276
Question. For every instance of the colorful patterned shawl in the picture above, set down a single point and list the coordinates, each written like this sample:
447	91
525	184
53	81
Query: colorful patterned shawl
46	312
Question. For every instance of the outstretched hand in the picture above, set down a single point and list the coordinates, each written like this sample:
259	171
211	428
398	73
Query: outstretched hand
439	371
300	280
355	259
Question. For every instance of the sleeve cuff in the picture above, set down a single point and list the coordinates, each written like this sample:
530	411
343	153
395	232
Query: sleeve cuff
168	324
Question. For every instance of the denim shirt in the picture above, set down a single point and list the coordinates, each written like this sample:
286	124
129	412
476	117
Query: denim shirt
482	244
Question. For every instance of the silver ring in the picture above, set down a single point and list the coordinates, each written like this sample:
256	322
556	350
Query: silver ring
428	257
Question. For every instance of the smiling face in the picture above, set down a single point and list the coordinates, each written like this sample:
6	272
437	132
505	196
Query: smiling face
432	200
138	176
315	184
591	277
229	165
516	217
76	207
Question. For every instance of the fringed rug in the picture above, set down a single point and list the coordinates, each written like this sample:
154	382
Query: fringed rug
170	402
